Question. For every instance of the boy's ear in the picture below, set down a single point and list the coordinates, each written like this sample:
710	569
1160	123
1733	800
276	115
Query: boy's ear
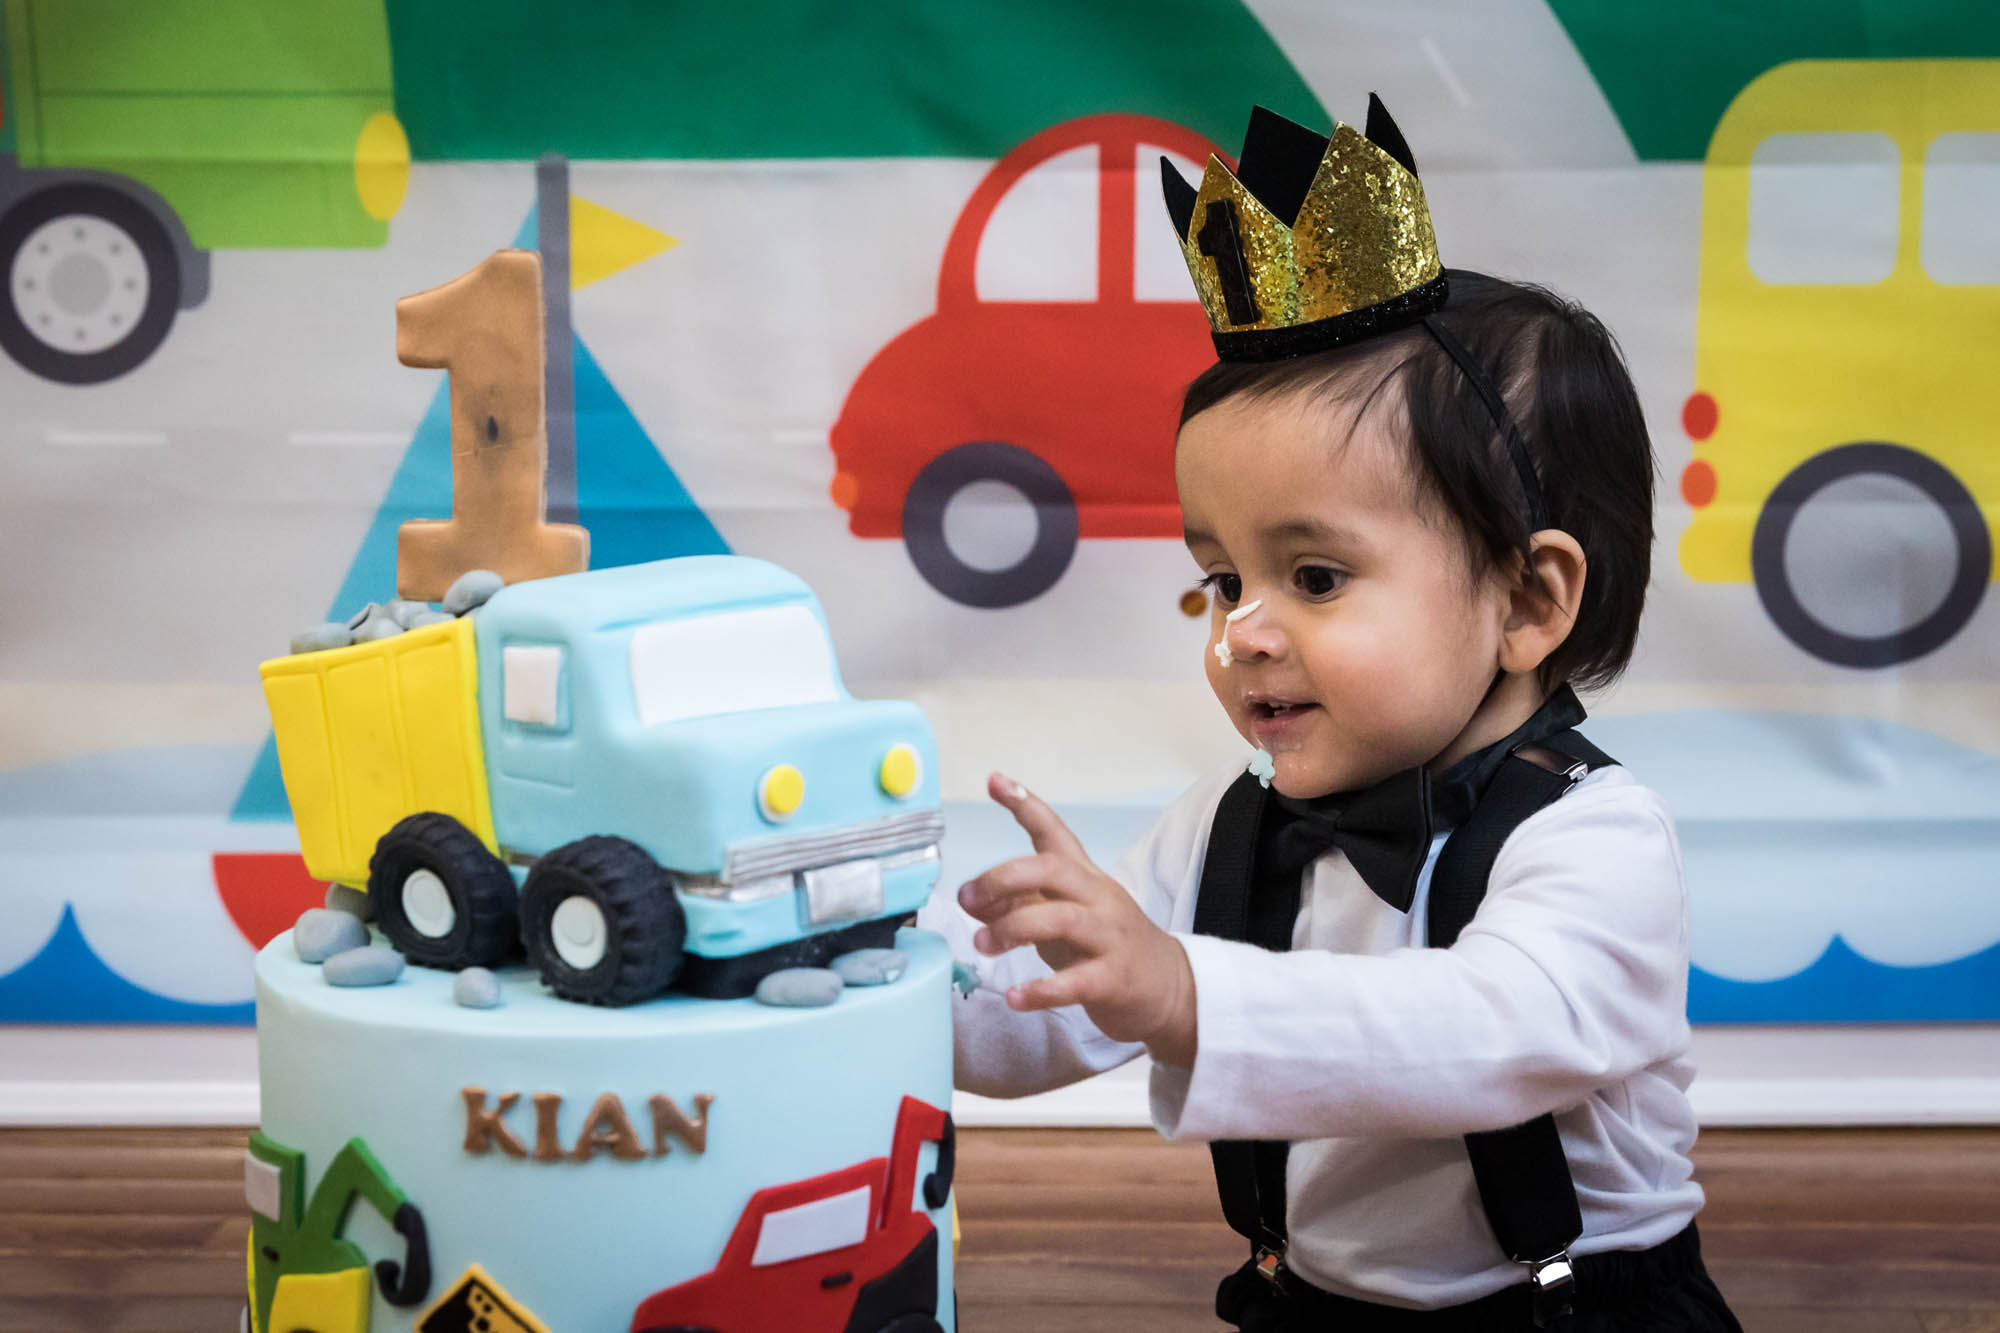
1538	620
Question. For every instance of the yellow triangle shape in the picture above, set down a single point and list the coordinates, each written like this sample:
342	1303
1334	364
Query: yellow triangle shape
602	242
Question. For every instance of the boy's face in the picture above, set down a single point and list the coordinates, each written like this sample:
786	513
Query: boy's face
1372	645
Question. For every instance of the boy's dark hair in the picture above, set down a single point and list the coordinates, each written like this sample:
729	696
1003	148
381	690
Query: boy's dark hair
1566	384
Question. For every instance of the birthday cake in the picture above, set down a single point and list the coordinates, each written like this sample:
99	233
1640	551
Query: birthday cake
612	1019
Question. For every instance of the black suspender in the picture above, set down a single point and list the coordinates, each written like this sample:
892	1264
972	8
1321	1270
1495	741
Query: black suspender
1523	1177
1249	1175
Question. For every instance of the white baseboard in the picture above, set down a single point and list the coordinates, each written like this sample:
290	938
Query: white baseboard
1750	1077
161	1102
1099	1103
1719	1103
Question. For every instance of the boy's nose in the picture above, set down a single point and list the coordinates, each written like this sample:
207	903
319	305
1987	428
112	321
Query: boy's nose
1248	632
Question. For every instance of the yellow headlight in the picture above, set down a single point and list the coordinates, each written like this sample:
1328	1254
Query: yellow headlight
902	771
780	791
382	165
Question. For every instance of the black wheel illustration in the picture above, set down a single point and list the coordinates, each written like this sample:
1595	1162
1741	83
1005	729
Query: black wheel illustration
1972	556
949	474
440	896
92	283
600	920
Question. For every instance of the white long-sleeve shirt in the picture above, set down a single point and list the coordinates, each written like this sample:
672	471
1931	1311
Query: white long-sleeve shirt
1567	992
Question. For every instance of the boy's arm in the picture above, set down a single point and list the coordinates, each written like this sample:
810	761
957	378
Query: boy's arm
1571	978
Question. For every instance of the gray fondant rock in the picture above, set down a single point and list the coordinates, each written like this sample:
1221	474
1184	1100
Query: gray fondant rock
429	617
405	613
380	626
870	967
376	965
364	615
331	634
476	988
340	898
471	589
800	988
320	934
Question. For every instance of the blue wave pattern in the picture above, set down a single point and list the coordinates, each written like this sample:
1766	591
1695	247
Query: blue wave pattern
68	983
1843	987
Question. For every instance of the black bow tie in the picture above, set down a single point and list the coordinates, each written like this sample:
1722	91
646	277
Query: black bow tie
1384	830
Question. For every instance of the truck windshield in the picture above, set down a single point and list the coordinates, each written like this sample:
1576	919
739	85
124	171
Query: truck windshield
731	662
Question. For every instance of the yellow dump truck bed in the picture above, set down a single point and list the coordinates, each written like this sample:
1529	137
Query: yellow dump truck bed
371	733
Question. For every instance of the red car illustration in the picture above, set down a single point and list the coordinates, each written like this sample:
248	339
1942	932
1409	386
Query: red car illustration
846	1252
1070	403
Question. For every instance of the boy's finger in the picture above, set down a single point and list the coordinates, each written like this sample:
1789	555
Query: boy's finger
1072	985
1025	878
1041	923
1044	827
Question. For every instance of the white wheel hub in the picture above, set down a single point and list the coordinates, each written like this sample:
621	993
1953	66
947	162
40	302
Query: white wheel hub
579	932
1871	555
79	283
991	525
427	905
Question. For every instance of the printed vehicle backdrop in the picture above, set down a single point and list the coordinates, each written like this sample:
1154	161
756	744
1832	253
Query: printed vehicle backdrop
885	293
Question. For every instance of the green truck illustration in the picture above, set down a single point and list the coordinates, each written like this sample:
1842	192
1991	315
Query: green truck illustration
135	139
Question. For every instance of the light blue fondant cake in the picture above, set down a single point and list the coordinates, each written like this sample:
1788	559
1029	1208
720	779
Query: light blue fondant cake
651	781
711	1163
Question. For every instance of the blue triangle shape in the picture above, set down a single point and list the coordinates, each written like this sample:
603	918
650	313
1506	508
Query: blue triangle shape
633	503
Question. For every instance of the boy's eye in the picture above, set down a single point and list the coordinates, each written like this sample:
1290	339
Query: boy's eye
1319	580
1228	587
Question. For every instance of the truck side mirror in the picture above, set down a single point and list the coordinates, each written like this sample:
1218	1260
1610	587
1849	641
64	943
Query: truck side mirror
937	1185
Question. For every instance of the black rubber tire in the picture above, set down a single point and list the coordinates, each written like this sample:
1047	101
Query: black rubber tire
643	917
163	293
481	888
1781	600
987	460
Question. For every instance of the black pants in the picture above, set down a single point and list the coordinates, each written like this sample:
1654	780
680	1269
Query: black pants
1662	1290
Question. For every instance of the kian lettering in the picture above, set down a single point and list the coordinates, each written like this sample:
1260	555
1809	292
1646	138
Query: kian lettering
605	1128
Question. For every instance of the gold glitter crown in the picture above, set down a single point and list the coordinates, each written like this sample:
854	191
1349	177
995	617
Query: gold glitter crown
1313	242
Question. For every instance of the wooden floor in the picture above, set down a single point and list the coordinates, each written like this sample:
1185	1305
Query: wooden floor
1881	1231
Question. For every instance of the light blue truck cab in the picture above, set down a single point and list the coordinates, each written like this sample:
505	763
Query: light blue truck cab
692	709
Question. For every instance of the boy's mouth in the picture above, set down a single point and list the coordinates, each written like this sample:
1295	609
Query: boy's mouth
1261	707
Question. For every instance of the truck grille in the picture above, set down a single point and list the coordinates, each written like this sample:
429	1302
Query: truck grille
764	857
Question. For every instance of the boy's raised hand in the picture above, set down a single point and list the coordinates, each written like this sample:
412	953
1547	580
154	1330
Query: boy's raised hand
1130	976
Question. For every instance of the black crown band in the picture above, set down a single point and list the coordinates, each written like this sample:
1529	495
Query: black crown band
1341	330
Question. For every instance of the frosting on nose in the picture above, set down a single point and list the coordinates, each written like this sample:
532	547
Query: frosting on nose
1222	653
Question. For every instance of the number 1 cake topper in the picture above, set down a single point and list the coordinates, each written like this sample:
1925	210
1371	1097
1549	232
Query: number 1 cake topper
484	328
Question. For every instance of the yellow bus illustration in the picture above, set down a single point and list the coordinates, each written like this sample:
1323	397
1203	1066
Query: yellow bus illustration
1846	438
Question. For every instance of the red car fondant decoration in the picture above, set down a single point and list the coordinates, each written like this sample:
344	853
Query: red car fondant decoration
1071	403
846	1252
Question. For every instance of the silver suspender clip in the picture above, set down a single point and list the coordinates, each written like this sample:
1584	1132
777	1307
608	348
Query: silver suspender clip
1552	1284
1541	756
1270	1263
